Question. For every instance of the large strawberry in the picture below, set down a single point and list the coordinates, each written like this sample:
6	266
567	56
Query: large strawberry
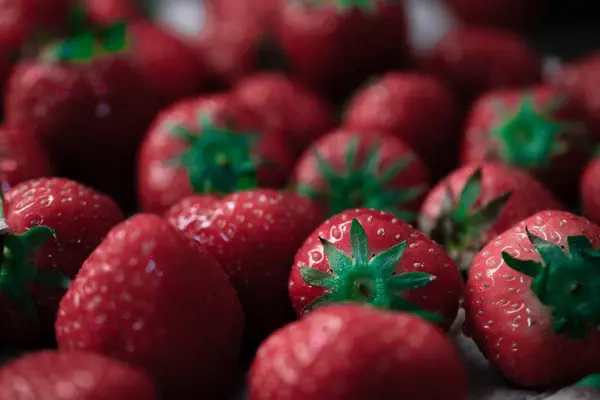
512	14
362	354
372	257
334	45
402	104
476	203
532	300
474	60
350	168
50	226
208	144
302	114
73	375
589	189
254	235
152	297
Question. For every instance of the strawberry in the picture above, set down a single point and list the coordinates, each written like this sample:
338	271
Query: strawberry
362	353
146	290
207	144
531	300
589	189
51	226
349	169
372	257
303	115
537	129
254	235
334	45
477	202
474	60
22	157
402	103
201	203
511	14
111	11
73	375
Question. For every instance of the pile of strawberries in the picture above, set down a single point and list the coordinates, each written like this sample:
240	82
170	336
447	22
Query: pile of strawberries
269	227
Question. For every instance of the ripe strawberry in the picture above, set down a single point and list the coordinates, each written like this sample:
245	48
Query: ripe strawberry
362	354
53	224
537	129
254	235
530	301
476	203
402	103
111	11
348	169
334	45
372	257
207	144
201	203
512	14
142	294
302	114
73	375
474	60
22	157
589	189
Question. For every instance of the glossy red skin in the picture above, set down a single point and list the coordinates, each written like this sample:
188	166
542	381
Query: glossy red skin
529	354
110	11
333	52
201	203
361	354
303	115
22	157
334	146
528	195
479	146
473	60
161	185
403	103
589	190
383	231
511	14
81	217
254	236
89	376
168	308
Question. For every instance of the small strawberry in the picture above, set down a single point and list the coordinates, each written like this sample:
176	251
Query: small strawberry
334	45
254	235
511	14
51	226
53	375
402	104
589	189
372	257
474	60
537	129
476	203
349	168
362	354
302	114
153	298
207	144
532	301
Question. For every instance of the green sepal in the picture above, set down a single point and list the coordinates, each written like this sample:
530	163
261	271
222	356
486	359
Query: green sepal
410	281
468	196
591	381
368	6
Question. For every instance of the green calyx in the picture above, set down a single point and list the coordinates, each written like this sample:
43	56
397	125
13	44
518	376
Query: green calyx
461	226
364	185
361	5
530	138
590	381
366	278
218	159
569	284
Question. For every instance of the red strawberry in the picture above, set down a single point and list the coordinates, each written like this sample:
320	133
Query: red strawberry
53	225
531	300
372	257
477	202
254	235
207	144
362	354
153	298
22	157
201	203
537	129
334	45
402	104
474	60
349	169
302	114
513	14
73	375
111	11
589	189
